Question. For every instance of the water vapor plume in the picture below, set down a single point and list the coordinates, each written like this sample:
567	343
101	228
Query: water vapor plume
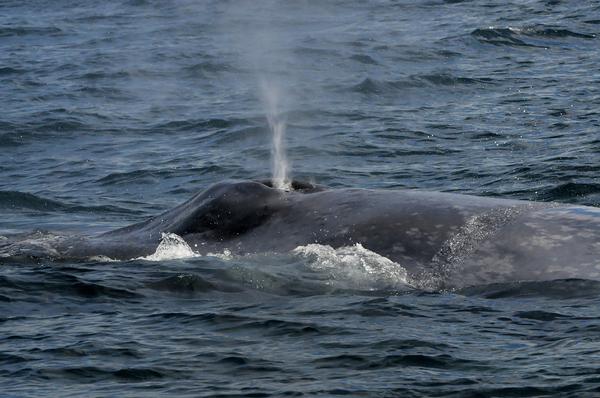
261	40
277	123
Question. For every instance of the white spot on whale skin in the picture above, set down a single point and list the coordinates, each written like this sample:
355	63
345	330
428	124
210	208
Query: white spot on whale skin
171	247
355	267
545	241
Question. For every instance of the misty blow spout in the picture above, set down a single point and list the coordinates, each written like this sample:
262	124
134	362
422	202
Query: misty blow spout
280	163
272	99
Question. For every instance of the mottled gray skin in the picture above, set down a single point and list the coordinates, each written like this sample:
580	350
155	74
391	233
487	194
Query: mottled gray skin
441	239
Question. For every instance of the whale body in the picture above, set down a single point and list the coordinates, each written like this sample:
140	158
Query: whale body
452	239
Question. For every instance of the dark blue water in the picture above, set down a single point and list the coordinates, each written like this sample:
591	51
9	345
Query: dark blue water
113	111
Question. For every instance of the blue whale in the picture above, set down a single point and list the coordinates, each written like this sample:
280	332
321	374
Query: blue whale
450	240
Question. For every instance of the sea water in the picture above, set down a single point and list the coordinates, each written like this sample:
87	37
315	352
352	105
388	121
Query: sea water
115	111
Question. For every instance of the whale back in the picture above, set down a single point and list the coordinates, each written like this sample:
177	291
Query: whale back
453	240
222	211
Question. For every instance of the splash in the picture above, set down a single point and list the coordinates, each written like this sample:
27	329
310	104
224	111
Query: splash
103	259
171	247
224	255
271	94
355	267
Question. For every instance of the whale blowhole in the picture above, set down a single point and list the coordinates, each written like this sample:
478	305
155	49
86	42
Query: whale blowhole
296	186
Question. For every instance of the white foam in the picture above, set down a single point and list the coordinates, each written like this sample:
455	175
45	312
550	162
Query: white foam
355	267
224	255
103	259
171	247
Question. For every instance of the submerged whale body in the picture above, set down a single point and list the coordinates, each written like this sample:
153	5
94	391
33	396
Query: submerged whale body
449	240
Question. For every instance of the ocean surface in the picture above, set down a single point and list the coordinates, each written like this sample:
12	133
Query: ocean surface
113	111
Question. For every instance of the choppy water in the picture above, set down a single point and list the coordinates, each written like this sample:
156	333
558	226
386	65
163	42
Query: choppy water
113	111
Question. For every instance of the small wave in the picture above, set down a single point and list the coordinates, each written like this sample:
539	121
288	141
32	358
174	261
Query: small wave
446	79
89	373
63	284
220	319
171	247
246	136
184	283
63	126
544	31
146	176
10	71
196	124
372	86
500	37
569	191
94	290
28	30
362	362
104	92
22	200
135	176
202	68
354	267
540	315
558	289
226	322
53	125
138	374
101	74
43	128
512	36
281	327
363	59
190	284
9	359
99	17
9	139
83	349
246	364
316	52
